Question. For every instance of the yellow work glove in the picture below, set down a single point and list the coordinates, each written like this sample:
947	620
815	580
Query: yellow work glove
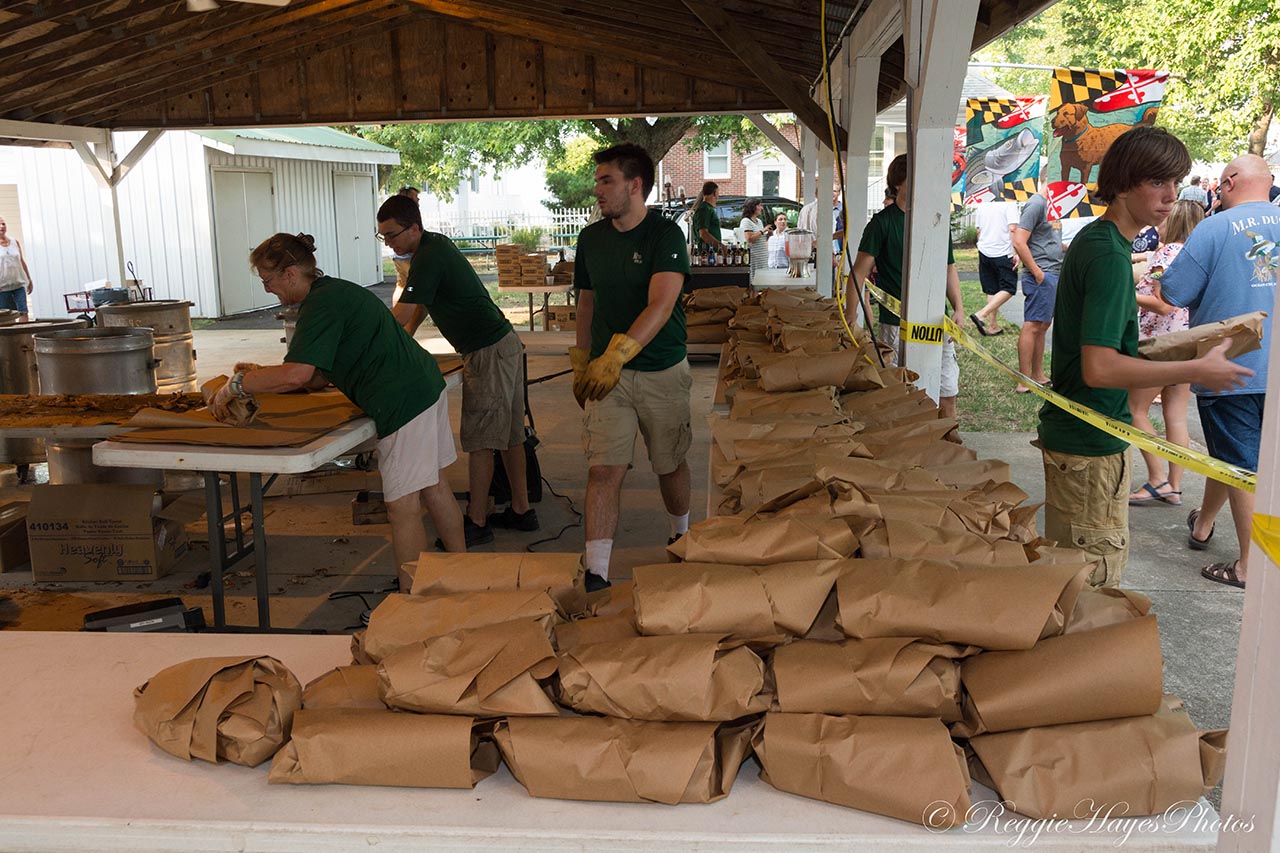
604	371
579	357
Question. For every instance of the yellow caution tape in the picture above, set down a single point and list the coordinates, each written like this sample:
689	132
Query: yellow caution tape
923	333
1266	532
1215	469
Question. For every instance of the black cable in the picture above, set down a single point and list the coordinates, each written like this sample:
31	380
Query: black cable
573	509
548	377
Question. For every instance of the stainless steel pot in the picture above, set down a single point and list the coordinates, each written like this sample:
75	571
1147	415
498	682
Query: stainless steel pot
170	323
18	376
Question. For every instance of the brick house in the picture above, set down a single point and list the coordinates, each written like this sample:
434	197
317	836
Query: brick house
761	172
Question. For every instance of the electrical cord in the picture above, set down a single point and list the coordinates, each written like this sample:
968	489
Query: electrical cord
573	509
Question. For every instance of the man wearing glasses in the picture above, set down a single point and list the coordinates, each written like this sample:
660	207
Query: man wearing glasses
441	282
1228	267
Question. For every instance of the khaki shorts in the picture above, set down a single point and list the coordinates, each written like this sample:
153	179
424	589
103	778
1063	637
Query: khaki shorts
412	457
655	401
493	397
1086	507
949	385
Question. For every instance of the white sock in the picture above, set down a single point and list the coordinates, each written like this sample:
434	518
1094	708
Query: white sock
597	559
679	524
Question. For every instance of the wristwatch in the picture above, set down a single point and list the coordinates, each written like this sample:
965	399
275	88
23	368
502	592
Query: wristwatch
237	385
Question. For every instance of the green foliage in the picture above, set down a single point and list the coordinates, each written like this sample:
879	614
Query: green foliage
1225	55
528	239
710	131
571	177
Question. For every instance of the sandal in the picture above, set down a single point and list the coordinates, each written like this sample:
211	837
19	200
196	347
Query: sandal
1192	542
982	327
1153	494
1223	573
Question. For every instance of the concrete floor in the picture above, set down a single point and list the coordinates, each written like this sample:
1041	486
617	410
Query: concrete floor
315	549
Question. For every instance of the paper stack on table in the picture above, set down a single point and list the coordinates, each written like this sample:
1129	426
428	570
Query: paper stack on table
508	258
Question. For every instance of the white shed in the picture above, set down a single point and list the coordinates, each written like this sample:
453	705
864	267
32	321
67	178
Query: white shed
192	208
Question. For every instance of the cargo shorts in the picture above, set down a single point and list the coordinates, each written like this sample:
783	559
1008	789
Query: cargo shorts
657	402
493	396
1086	507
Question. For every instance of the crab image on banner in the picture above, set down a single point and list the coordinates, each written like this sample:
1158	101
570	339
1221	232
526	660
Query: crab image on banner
957	169
1002	148
1089	108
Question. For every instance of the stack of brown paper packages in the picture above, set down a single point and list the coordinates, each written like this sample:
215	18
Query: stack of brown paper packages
871	613
707	312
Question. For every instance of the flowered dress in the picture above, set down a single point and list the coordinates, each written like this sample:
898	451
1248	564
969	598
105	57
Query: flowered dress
1150	323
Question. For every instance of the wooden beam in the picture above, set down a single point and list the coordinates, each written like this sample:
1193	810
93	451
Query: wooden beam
57	132
878	28
84	25
763	65
100	176
775	136
145	144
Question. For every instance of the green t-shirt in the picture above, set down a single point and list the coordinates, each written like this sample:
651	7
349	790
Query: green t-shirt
616	267
349	334
441	278
705	216
1096	306
883	240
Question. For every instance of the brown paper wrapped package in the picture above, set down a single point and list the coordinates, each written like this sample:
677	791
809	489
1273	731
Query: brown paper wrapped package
1245	332
847	370
738	602
893	677
903	767
623	761
240	411
1112	672
1098	607
907	540
351	746
752	403
237	709
283	420
596	629
345	687
610	601
681	678
1139	765
759	542
402	620
707	298
483	672
992	607
559	575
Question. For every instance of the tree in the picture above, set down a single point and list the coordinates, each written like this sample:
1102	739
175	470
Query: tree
1224	55
439	156
571	178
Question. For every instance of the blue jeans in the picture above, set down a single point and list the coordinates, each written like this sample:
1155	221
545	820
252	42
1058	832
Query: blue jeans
14	300
1233	427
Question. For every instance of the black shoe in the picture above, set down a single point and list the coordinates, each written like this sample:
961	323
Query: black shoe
475	533
509	519
595	583
673	540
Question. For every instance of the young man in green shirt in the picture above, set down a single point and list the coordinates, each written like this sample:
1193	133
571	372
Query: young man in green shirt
442	283
1095	348
629	365
345	335
706	222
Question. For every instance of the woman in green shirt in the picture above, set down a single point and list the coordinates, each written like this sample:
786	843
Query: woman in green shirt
346	336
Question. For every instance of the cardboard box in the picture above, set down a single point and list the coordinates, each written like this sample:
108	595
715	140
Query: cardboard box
14	553
560	318
105	532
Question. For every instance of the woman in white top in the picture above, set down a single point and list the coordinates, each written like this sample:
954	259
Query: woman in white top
754	233
15	278
778	243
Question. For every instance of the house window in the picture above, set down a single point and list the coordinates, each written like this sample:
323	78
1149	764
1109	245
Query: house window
769	181
715	161
475	182
877	153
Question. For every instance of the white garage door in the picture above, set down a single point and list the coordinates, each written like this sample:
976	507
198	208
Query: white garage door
244	214
357	249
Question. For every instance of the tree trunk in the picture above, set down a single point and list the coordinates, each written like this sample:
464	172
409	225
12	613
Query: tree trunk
1261	125
657	138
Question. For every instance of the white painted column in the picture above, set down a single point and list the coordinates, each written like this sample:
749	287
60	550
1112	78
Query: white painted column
862	128
1251	786
935	68
107	156
826	218
809	157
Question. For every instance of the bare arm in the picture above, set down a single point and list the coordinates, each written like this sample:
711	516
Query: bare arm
409	316
706	237
1023	251
862	264
1013	230
953	295
23	260
289	376
1104	367
586	310
664	290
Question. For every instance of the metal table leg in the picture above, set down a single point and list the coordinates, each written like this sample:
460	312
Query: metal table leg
217	546
260	557
531	312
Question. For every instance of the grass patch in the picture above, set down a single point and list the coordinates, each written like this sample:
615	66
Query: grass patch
966	258
987	402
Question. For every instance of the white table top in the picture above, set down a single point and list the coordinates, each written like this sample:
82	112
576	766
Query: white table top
78	776
249	460
779	278
544	288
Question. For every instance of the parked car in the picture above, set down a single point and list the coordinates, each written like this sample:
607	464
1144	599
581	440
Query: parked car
729	209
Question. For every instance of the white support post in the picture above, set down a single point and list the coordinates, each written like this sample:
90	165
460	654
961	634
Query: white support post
809	155
776	137
106	156
935	69
862	128
1251	786
826	218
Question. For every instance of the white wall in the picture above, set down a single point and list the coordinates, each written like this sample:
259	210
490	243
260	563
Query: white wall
521	191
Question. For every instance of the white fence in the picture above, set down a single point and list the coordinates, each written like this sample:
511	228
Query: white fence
557	227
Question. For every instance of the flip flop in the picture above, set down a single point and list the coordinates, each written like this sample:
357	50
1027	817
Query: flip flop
982	327
1192	542
1022	390
1153	495
1223	573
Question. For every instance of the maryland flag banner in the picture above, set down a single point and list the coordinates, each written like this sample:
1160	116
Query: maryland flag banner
1089	109
957	169
1002	148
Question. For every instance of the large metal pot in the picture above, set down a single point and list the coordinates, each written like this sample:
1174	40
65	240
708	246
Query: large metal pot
290	317
170	323
18	376
8	317
94	361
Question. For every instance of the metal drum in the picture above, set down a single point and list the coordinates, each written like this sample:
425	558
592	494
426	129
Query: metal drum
290	317
94	361
170	323
8	317
18	376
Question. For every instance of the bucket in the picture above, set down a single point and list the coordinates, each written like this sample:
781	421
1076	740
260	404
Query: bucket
18	376
170	323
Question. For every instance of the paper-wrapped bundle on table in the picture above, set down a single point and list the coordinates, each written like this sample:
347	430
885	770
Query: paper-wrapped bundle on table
402	620
903	767
759	542
236	709
559	575
623	761
1098	607
344	687
350	746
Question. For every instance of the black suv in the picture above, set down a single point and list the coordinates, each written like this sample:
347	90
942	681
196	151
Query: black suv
729	209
